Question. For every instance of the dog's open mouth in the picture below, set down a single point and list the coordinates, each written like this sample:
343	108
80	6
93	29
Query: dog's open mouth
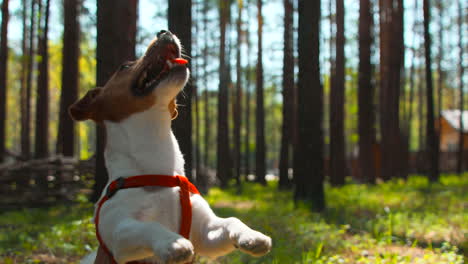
160	61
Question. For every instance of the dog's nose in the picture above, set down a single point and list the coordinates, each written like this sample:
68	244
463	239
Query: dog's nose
163	32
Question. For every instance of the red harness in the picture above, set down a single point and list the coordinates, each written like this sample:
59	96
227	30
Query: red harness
151	180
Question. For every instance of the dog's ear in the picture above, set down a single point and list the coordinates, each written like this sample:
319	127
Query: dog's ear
85	108
173	109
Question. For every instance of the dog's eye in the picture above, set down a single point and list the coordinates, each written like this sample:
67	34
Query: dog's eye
124	66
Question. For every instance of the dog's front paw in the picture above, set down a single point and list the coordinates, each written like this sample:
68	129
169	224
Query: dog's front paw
178	251
254	243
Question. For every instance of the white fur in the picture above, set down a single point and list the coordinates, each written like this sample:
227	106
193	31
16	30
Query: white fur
143	223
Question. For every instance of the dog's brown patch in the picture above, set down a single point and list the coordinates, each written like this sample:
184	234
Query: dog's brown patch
114	101
126	92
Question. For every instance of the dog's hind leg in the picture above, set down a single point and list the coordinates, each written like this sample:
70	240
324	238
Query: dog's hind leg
214	236
136	240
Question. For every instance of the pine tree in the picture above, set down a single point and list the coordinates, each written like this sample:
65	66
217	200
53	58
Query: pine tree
27	80
308	152
42	105
70	77
260	149
180	23
223	168
337	142
391	64
238	99
288	95
366	92
461	73
3	76
432	142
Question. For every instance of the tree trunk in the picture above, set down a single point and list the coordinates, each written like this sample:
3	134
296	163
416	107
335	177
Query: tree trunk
432	142
29	77
461	74
116	38
409	117
24	58
440	71
196	91
260	169
70	77
27	86
180	23
196	99
308	153
223	169
248	93
337	142
366	93
3	77
238	102
42	104
421	117
203	179
288	90
391	62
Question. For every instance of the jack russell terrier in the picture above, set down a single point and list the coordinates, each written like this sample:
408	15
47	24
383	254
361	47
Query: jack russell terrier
162	218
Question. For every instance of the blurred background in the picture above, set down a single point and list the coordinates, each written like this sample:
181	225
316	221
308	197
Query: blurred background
348	111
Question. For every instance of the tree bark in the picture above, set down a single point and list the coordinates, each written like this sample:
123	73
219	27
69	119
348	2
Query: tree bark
180	23
116	38
248	93
70	77
206	41
308	152
337	93
29	78
391	61
366	108
238	102
421	116
288	95
440	71
42	104
260	169
432	142
197	98
24	58
461	74
223	169
3	77
26	91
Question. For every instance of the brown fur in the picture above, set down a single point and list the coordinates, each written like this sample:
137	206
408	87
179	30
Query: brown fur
115	101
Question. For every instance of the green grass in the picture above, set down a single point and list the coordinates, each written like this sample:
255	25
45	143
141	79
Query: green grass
395	222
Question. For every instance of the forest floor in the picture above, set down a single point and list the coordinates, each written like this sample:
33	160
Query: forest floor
395	222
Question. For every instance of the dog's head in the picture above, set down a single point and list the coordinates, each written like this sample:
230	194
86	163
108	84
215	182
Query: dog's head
138	85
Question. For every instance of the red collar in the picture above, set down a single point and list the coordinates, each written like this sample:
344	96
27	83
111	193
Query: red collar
151	180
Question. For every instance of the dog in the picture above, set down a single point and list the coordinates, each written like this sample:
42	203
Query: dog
136	107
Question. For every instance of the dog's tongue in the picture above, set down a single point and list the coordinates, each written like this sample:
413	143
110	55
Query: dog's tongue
179	61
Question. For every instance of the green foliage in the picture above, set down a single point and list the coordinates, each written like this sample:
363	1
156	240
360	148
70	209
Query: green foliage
394	222
59	231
